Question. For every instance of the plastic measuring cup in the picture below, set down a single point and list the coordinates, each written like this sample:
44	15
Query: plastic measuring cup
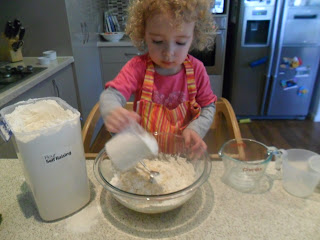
130	146
314	165
245	162
299	172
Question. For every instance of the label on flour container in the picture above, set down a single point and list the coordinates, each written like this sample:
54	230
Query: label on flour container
5	131
62	155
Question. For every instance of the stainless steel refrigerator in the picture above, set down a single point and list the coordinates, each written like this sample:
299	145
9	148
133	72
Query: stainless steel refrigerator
272	58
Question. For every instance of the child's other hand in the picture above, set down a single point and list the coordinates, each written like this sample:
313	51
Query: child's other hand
194	142
119	118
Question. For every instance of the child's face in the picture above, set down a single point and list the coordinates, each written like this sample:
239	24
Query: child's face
167	45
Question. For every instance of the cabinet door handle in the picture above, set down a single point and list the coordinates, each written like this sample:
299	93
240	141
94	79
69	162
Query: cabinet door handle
56	87
86	31
132	54
83	33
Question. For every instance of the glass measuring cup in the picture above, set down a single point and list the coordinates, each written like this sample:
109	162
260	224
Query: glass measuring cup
245	162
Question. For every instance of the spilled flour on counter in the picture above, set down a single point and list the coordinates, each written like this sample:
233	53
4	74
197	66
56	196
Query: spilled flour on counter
175	174
84	220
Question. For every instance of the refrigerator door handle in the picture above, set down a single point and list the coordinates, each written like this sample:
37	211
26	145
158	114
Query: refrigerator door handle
306	16
274	36
264	99
272	53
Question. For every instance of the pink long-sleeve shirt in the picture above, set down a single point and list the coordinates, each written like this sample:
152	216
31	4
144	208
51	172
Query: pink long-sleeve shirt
169	91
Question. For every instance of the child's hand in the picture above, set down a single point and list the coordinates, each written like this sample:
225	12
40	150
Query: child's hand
119	118
194	142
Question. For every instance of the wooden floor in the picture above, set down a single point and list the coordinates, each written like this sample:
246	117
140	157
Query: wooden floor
285	134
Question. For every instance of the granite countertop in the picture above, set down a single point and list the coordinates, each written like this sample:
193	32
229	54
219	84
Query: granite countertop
216	211
24	86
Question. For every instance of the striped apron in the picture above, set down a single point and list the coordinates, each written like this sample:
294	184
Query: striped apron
158	118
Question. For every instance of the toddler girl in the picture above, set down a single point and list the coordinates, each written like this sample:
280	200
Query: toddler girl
171	88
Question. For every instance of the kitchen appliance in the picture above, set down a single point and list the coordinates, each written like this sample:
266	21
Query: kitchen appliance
273	53
11	76
214	57
181	170
48	142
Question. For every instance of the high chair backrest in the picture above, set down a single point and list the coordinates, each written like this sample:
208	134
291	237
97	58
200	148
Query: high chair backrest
223	128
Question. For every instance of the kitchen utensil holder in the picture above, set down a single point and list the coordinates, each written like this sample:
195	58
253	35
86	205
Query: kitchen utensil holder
7	51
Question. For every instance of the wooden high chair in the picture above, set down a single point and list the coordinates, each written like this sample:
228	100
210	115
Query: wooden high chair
223	128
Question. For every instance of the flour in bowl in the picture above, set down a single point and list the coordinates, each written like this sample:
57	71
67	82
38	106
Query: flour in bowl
176	173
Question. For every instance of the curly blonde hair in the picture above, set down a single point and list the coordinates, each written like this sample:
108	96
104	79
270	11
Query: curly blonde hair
181	10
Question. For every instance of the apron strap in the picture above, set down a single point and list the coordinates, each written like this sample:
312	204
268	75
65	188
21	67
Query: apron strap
192	90
147	86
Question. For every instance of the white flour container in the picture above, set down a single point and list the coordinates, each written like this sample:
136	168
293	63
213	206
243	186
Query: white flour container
52	156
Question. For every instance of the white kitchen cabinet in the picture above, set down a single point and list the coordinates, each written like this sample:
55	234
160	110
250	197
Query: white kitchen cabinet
64	86
113	58
61	84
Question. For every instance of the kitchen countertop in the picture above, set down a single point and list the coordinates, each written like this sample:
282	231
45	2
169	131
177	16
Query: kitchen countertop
24	86
126	42
216	211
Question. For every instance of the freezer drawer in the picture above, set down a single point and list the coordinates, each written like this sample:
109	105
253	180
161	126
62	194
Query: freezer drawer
292	86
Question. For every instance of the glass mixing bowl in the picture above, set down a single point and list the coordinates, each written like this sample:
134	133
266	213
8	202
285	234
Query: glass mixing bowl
189	170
